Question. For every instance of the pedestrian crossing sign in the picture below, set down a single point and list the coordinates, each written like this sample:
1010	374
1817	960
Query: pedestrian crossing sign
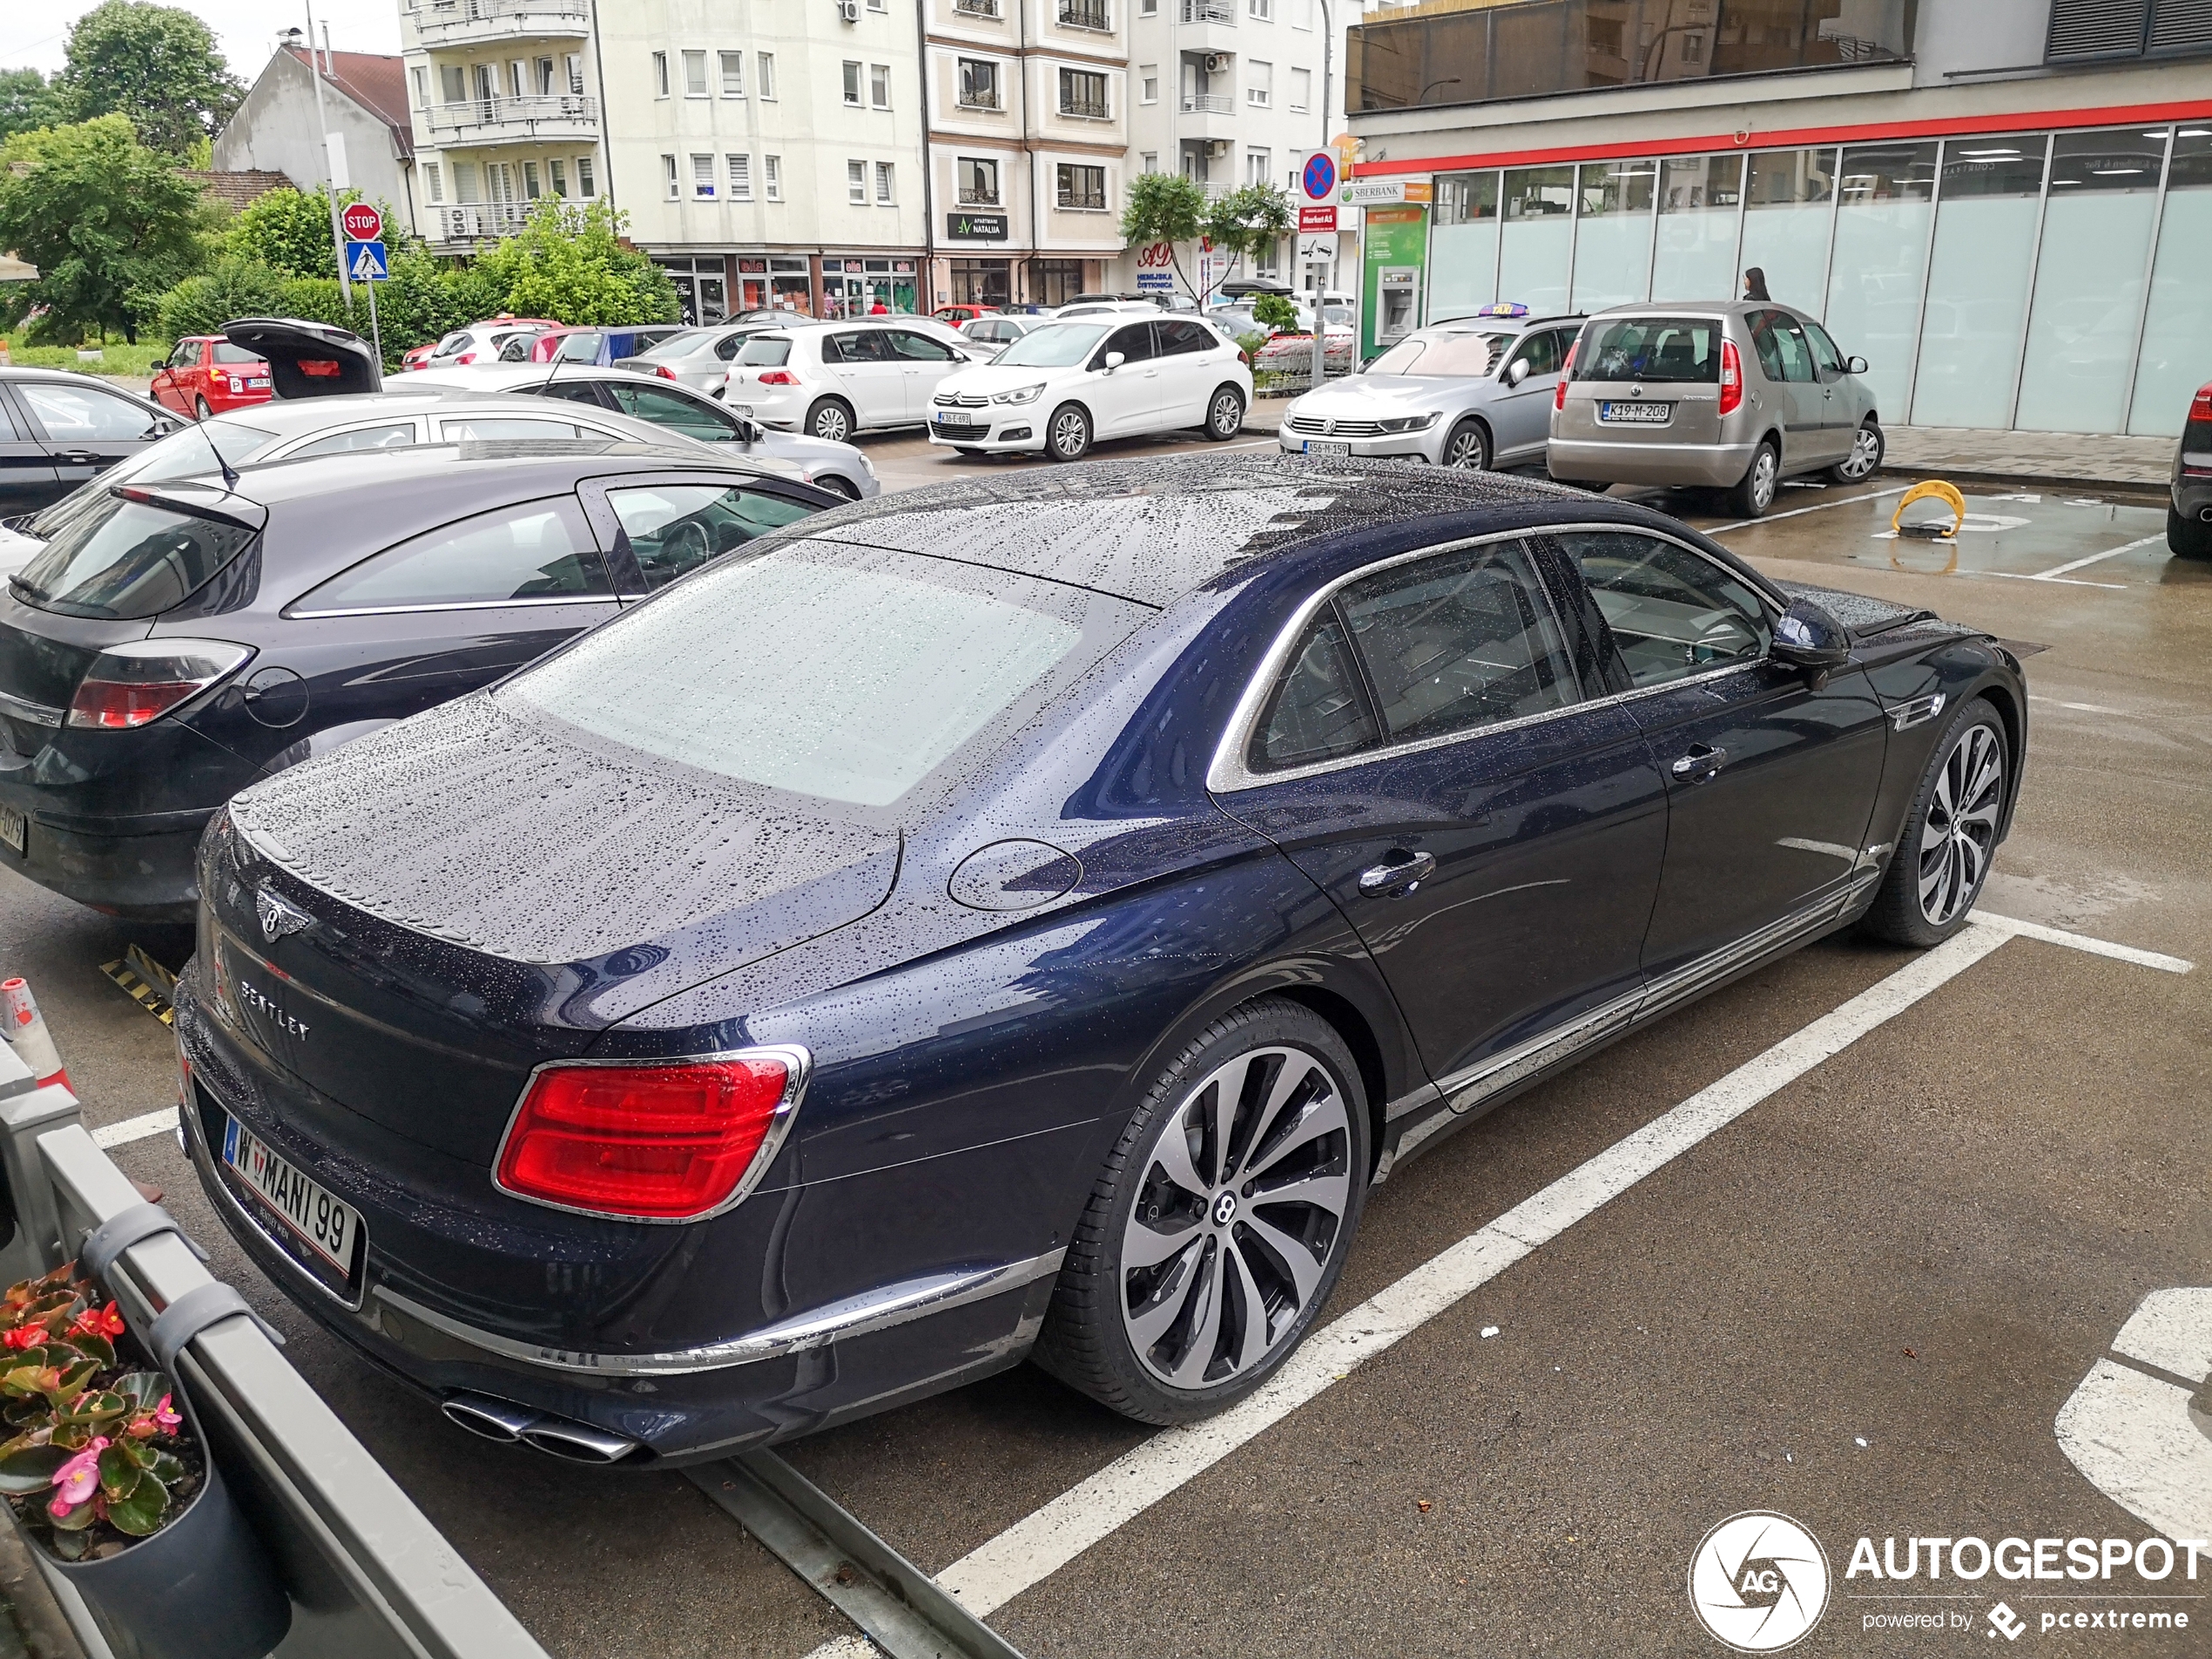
368	264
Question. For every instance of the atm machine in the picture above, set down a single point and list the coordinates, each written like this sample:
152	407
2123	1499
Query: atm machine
1398	302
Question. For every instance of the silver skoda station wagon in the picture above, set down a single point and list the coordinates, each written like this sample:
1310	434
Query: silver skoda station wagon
1724	396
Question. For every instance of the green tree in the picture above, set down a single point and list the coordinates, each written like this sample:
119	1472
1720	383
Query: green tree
1167	207
234	288
290	231
109	224
26	102
156	65
572	264
1275	311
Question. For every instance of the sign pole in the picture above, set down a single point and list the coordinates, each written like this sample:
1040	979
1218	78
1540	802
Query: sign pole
375	335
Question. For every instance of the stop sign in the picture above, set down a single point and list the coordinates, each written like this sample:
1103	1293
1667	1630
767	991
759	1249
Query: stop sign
363	222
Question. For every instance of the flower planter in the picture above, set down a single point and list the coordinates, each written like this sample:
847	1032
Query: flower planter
202	1587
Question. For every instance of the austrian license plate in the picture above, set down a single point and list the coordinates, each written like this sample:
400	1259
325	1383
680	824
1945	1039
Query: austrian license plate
1636	413
11	827
1327	450
325	1224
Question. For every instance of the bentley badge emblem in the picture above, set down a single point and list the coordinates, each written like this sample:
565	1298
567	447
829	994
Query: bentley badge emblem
278	916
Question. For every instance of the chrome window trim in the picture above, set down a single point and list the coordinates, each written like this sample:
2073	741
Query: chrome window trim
1229	771
798	1065
287	452
293	613
862	1315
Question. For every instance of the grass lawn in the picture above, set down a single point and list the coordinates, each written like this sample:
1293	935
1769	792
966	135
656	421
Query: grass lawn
116	357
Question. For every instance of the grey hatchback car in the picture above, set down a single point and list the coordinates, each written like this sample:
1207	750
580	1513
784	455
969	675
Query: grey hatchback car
1727	396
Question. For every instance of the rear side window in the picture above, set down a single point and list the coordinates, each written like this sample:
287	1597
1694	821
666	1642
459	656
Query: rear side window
126	560
765	351
388	436
674	528
1320	710
1680	350
726	347
533	551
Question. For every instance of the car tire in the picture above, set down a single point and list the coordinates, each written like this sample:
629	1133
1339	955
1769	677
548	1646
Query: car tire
838	486
1220	1312
2188	538
1067	436
1224	413
830	418
1468	448
1864	460
1949	836
200	411
1754	493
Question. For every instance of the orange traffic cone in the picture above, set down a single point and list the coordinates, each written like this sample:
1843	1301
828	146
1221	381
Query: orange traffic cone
26	1033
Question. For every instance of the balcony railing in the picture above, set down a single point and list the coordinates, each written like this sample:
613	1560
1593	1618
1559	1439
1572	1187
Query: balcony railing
1084	110
1208	104
1078	13
453	23
979	199
1215	12
1541	47
552	116
980	99
478	221
977	7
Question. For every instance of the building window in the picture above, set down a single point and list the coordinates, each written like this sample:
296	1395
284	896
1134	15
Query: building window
764	84
668	178
880	85
732	74
515	84
434	179
544	68
422	87
464	182
1263	9
1259	85
771	178
703	177
660	74
1257	164
531	189
558	170
852	86
694	74
856	182
1151	160
740	179
1693	49
978	182
1083	94
1148	84
979	83
1301	90
1081	186
977	7
575	64
884	197
1085	14
584	186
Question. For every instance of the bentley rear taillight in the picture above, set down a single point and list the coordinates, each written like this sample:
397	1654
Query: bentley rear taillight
1731	378
667	1140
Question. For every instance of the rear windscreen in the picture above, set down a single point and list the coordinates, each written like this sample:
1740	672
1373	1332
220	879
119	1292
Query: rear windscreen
765	352
844	673
1651	348
126	560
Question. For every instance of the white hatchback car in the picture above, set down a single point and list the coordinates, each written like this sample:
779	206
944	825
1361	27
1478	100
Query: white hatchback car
832	379
1058	387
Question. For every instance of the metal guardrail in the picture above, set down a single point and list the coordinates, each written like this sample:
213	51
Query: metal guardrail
368	1575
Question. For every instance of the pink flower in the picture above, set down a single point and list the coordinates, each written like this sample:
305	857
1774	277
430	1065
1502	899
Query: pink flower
78	1478
25	1336
166	1418
98	1322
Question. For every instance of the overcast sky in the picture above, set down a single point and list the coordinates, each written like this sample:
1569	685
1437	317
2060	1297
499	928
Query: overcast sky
245	29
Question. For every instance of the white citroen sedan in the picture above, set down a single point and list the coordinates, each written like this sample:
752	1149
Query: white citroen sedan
1060	387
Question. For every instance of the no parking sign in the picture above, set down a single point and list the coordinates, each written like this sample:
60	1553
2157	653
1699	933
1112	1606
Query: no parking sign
1317	187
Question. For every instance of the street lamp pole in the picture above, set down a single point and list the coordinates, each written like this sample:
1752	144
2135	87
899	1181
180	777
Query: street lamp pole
322	121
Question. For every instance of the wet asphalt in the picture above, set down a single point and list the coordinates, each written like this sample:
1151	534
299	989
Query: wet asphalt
1862	1304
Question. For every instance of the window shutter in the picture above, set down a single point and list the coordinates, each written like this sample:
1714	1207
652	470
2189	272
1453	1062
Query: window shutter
2182	26
2096	28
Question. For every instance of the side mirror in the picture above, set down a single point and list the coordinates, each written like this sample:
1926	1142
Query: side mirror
1516	371
1808	637
1113	360
1854	365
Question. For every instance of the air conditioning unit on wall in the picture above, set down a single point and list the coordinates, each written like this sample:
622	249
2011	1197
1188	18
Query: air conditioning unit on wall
849	10
1217	62
1218	148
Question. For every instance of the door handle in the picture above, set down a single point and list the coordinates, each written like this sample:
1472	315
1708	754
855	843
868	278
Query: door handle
79	457
1702	761
1400	877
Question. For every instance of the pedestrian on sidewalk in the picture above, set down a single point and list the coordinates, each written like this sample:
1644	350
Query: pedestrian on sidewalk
1755	285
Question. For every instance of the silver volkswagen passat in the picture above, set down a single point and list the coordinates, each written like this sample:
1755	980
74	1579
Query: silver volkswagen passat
1475	393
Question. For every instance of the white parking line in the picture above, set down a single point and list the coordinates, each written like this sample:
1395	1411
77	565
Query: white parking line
2058	571
141	1128
1817	507
1047	1540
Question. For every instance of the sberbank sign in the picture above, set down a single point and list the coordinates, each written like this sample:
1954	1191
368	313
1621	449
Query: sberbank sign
1385	192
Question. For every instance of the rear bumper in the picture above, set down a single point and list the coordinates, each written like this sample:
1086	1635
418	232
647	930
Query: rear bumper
140	870
1715	466
2192	497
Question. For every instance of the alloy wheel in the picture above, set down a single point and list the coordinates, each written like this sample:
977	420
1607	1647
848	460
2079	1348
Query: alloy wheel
1959	833
1069	439
1241	1206
1227	418
1465	449
1866	449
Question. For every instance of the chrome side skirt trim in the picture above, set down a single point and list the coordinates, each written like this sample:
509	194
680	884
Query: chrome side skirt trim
1693	977
878	1310
1469	1088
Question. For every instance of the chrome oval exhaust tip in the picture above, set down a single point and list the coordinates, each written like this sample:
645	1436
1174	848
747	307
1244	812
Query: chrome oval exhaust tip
495	1419
577	1442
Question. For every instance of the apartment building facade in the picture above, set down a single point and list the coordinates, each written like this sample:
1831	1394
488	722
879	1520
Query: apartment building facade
2006	210
767	156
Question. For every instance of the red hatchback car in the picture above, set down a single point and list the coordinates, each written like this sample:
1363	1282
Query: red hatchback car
208	375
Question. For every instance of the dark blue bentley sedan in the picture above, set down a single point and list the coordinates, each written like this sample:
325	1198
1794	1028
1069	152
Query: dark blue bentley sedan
1024	917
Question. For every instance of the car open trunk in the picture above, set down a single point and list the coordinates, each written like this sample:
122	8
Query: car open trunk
308	359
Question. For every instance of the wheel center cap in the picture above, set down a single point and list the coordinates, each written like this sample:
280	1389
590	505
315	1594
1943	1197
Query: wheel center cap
1224	1209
